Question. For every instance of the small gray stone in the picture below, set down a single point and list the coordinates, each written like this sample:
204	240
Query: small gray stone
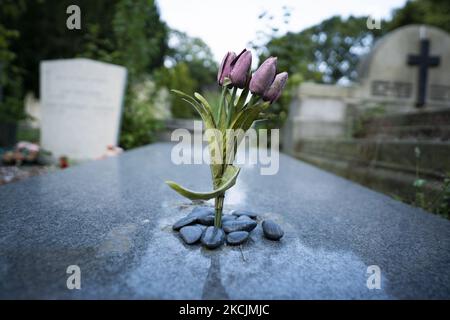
191	234
237	237
239	225
272	230
201	226
249	214
201	212
206	220
183	222
228	217
213	237
241	218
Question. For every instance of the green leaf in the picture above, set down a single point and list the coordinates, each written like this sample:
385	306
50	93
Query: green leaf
184	95
204	113
197	106
418	183
242	99
231	172
218	146
228	180
243	120
222	122
204	102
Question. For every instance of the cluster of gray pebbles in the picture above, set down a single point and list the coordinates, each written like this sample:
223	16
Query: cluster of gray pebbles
198	225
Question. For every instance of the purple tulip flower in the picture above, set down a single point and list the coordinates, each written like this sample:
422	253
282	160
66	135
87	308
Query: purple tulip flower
225	67
264	76
239	69
275	89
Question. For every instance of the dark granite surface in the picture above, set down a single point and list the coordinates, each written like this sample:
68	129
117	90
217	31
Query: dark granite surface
113	219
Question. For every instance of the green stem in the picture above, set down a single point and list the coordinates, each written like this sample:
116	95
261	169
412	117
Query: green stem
218	204
222	100
232	106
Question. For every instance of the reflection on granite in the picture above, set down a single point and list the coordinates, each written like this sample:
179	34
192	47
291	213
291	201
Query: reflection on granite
113	219
213	288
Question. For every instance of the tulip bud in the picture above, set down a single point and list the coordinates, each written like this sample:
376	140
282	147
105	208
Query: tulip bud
239	69
225	67
275	89
264	76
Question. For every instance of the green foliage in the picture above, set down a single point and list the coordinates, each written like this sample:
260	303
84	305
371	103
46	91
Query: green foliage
213	96
28	134
147	108
11	103
190	67
139	125
441	203
327	52
140	42
180	78
196	55
359	129
432	12
324	53
96	47
125	32
140	36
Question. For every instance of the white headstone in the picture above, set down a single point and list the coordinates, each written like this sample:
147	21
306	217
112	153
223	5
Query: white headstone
81	103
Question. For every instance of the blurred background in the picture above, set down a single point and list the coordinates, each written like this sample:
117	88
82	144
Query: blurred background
352	104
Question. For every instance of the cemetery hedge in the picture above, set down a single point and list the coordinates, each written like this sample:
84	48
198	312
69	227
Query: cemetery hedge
11	93
124	32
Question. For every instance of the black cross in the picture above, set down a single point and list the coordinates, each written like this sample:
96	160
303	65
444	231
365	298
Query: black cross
424	61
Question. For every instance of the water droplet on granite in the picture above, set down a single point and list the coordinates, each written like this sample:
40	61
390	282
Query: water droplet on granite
249	214
183	222
237	237
191	234
272	230
213	237
239	225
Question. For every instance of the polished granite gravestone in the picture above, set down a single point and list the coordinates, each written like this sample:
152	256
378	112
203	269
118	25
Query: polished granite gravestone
113	218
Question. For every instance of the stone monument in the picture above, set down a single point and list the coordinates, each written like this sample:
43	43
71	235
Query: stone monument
388	77
407	68
81	103
369	131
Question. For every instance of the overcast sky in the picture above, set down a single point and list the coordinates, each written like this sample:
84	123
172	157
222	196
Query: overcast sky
230	24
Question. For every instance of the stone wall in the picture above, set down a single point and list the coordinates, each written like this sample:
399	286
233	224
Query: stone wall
389	154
